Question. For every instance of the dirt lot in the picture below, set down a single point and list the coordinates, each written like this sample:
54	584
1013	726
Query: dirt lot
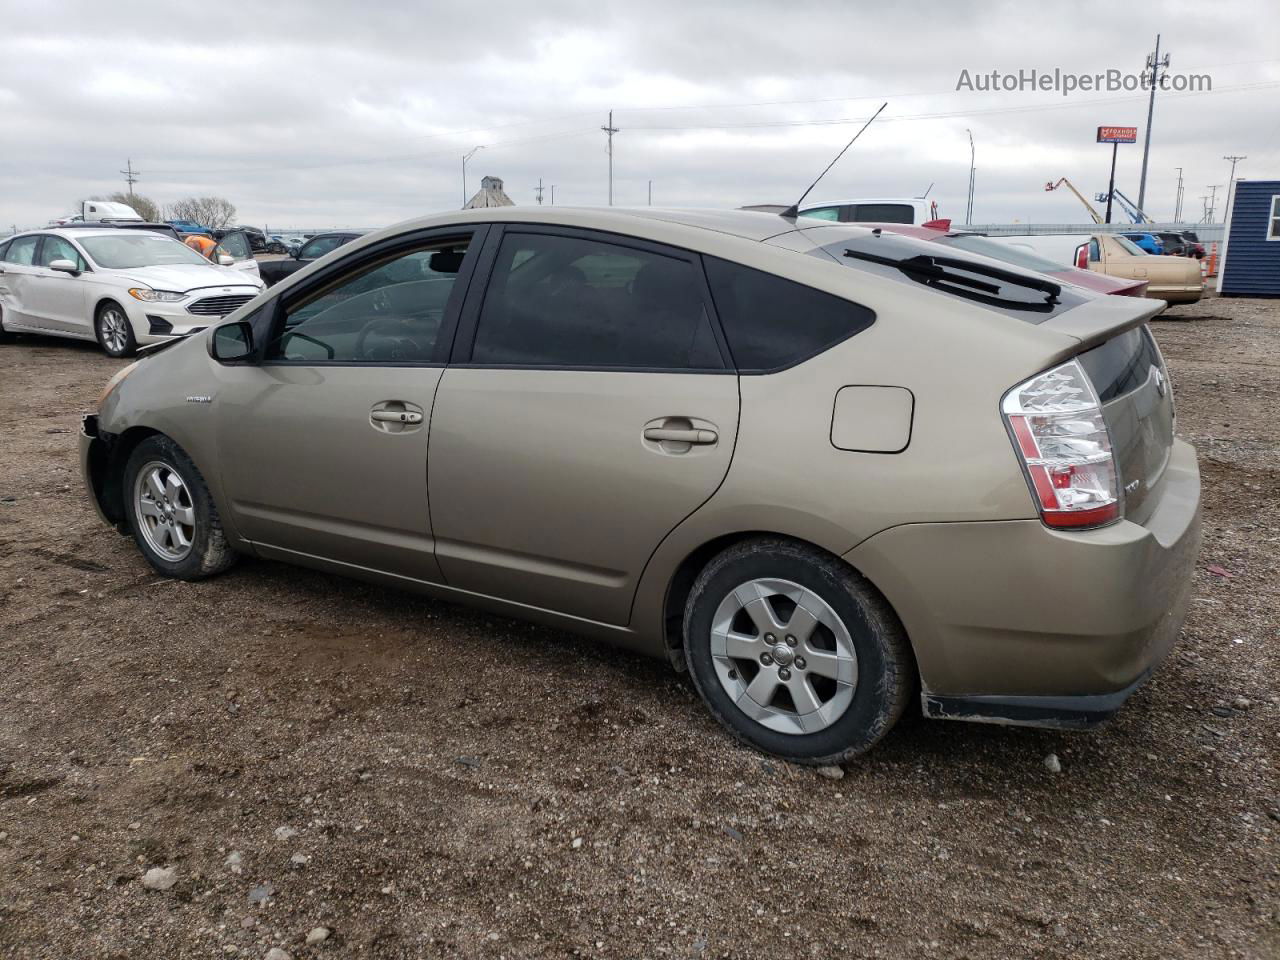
425	781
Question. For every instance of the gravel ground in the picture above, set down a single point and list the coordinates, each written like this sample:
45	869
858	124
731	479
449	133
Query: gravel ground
278	750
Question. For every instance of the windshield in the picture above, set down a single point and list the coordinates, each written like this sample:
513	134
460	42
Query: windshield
127	250
1000	251
1128	246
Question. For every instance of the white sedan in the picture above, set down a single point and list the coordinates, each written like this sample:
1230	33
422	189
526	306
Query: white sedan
123	288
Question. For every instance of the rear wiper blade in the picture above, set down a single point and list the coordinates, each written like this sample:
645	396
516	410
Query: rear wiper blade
929	269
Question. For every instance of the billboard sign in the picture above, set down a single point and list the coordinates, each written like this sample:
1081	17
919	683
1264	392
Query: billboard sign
1117	134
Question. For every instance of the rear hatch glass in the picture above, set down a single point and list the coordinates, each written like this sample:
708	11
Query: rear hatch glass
1027	295
1137	404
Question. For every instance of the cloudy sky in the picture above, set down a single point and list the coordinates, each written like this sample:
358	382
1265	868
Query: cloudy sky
331	113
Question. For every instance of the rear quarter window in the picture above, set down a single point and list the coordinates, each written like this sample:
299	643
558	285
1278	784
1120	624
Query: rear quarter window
772	323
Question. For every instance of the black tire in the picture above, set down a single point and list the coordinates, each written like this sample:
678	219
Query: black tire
209	552
130	341
886	676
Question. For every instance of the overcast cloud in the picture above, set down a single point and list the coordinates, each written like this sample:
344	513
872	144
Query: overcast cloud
332	113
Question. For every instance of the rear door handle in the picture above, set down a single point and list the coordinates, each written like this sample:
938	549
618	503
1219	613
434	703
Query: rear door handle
680	436
395	416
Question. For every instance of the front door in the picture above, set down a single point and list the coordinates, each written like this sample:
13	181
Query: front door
592	410
61	298
324	444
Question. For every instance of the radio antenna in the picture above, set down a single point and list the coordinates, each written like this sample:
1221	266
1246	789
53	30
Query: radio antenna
793	211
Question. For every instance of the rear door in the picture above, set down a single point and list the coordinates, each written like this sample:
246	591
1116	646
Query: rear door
324	442
589	409
18	283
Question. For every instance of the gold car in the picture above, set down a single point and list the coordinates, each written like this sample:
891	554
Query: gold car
1175	279
824	468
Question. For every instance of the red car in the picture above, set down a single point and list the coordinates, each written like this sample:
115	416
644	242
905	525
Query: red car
939	231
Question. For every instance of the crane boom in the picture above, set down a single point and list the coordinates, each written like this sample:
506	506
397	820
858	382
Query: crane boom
1131	208
1097	218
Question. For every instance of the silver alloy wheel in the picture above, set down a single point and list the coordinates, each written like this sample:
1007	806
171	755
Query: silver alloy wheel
783	656
166	514
115	330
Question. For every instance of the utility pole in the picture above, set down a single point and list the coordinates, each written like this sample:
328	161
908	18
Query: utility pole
610	130
1232	179
1213	199
1154	64
553	194
538	190
968	213
1204	203
464	173
651	193
130	176
1177	203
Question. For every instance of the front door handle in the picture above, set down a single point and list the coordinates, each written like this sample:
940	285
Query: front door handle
395	416
673	435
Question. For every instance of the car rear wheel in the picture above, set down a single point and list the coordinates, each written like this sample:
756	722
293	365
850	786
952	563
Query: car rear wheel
173	518
795	653
115	332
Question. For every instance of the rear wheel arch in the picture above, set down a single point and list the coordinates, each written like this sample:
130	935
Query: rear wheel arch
687	571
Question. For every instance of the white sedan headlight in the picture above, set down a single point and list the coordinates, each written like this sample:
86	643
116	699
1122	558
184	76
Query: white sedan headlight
164	296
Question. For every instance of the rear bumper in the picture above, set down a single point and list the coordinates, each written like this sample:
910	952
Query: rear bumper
1015	622
1177	293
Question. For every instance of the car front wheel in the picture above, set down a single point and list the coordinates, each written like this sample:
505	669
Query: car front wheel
173	518
115	332
795	653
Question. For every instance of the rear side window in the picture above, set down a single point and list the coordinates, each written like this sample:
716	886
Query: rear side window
884	213
576	302
773	323
823	213
22	251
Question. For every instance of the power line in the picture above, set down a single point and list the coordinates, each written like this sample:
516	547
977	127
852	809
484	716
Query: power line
1154	64
130	175
610	130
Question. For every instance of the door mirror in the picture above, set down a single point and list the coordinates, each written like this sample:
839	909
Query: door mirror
225	261
65	266
232	342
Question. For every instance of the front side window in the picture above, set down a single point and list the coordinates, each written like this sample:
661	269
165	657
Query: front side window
22	251
319	247
772	323
1273	228
127	250
387	312
235	246
574	302
56	248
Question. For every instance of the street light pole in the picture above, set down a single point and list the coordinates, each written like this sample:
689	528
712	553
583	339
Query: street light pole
968	214
1177	204
464	172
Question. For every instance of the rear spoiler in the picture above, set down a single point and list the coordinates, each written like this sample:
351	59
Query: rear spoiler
1101	318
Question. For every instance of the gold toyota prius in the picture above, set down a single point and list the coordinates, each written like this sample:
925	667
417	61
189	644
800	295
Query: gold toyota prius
822	467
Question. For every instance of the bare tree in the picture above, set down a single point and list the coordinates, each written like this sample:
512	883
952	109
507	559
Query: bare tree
212	212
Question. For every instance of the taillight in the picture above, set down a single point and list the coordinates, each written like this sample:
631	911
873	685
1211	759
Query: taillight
1056	422
1082	257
